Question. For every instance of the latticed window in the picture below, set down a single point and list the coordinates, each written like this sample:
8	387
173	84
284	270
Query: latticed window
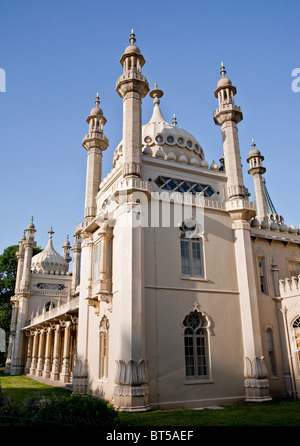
104	348
172	184
191	256
50	286
196	346
296	327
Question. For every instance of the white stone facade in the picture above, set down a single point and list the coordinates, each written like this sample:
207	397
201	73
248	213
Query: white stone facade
178	296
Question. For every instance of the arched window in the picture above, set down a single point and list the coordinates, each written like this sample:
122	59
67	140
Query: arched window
296	327
104	347
196	346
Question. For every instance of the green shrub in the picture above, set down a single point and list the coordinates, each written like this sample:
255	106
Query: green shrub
73	410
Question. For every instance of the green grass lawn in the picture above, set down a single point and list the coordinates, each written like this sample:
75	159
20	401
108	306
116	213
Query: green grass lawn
266	414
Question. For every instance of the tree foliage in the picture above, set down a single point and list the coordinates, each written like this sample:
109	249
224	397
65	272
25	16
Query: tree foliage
8	272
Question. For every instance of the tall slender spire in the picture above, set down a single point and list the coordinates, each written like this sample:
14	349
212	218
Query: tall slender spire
228	115
95	142
132	86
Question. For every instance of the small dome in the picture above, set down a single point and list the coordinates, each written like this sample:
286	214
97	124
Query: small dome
224	82
204	164
255	223
214	166
132	49
96	111
194	161
183	159
254	152
147	151
171	156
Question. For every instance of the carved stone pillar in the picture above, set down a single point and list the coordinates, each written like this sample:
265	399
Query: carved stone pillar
132	391
29	352
47	362
65	373
256	382
56	354
34	359
41	353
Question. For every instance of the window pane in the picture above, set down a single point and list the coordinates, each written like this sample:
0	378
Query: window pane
196	253
185	258
189	356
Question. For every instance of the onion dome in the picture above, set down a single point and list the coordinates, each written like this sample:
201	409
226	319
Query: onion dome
49	261
224	81
96	110
170	139
132	48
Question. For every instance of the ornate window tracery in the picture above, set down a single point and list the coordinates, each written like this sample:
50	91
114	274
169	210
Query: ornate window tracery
296	327
176	185
196	346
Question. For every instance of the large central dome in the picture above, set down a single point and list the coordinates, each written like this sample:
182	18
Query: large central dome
163	140
168	141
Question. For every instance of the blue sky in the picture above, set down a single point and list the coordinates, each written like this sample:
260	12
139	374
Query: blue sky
58	54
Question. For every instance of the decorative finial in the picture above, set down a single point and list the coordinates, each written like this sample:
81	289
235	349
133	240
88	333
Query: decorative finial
97	101
223	71
156	94
50	232
31	225
253	143
132	37
174	120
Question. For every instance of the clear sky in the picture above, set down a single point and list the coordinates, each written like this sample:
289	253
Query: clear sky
58	54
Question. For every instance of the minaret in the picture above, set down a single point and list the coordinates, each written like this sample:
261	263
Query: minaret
76	262
228	115
66	250
255	160
94	142
29	244
132	86
131	391
23	295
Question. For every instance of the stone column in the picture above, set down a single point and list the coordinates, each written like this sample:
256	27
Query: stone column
80	374
131	392
29	352
12	336
256	382
41	353
17	362
47	362
56	354
76	263
34	359
65	373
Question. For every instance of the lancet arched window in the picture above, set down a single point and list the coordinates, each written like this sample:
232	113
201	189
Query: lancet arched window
196	347
296	327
